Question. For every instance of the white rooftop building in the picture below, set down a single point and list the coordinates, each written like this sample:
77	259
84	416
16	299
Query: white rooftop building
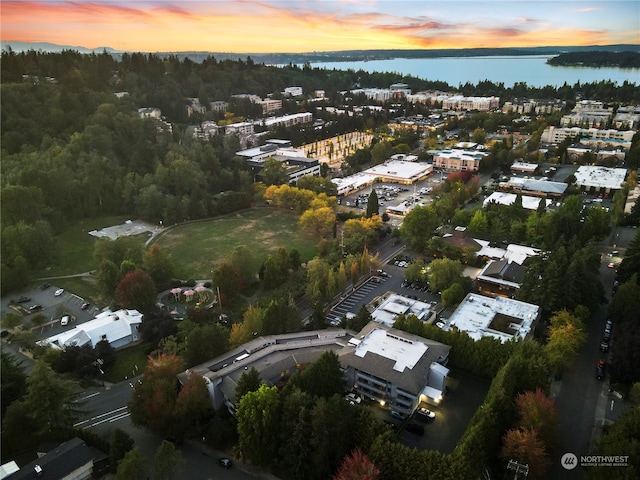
395	305
400	171
600	178
118	328
528	202
502	318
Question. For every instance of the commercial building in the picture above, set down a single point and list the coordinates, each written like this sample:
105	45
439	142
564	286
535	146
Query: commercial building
394	305
400	171
502	198
458	159
600	179
397	369
533	187
523	167
118	328
499	317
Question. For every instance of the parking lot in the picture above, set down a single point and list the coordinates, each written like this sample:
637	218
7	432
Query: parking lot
52	306
465	394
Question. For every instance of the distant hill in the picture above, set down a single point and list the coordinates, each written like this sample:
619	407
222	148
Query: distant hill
597	59
51	47
338	56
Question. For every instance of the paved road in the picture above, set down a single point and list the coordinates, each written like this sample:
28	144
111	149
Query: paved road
584	403
106	409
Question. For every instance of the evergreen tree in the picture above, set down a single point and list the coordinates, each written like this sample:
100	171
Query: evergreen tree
373	205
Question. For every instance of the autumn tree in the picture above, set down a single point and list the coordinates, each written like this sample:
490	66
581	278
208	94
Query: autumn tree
524	446
538	412
317	222
357	466
566	335
136	290
153	401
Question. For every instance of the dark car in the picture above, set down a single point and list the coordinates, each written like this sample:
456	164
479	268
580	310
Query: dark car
24	300
225	462
44	286
600	367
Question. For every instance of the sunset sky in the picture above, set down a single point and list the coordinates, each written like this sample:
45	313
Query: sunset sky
248	26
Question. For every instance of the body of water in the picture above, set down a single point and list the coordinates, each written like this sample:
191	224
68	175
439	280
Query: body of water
507	70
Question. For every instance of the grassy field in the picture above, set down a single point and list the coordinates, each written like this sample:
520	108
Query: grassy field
196	247
75	246
126	361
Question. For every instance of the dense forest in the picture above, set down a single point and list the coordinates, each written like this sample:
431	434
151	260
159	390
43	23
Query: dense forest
597	59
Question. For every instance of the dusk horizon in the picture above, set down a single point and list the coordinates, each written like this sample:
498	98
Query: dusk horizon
303	27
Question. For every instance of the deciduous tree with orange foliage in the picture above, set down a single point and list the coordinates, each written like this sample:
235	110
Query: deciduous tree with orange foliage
357	466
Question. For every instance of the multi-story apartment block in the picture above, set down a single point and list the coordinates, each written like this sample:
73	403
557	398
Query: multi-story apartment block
458	159
528	105
588	113
270	105
627	118
481	104
589	136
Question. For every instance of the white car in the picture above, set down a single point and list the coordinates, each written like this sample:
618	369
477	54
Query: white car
59	292
64	320
424	413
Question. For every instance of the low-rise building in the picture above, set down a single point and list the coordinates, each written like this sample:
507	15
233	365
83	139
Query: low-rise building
528	202
499	317
119	328
394	305
71	460
600	179
587	135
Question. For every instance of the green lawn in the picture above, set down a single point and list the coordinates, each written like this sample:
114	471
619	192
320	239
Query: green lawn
196	247
75	246
126	361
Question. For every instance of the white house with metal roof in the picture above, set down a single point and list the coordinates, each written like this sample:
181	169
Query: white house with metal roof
118	328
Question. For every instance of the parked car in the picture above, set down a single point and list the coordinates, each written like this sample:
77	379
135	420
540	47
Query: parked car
84	306
58	292
604	346
24	300
397	414
425	414
225	462
44	286
600	368
352	398
35	308
64	321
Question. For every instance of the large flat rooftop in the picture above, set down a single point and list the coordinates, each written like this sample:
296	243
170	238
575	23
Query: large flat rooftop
501	318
